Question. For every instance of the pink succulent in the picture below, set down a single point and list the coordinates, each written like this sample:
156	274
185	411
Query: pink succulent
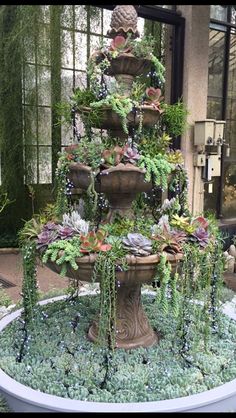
200	221
153	97
131	155
119	43
153	94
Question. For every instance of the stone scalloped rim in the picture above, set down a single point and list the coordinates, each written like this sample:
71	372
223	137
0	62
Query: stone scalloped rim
24	399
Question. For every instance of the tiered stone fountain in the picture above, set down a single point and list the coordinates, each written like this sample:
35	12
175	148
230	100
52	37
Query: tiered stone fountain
121	184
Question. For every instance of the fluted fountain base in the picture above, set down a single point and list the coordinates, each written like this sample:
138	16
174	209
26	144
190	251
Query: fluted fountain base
132	328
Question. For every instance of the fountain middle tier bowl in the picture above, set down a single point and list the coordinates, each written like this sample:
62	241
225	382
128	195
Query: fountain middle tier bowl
122	178
107	118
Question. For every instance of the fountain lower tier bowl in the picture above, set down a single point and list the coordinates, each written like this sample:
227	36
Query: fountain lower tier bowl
132	328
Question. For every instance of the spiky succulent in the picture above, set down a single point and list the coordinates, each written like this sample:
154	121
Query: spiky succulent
137	244
94	242
74	221
170	241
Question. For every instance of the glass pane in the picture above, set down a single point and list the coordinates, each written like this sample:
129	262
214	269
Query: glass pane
233	16
106	20
95	43
67	16
219	12
66	84
30	128
214	108
81	17
66	135
45	165
95	19
31	165
215	73
229	168
44	45
29	48
45	13
80	79
229	191
44	86
67	48
44	126
80	51
29	84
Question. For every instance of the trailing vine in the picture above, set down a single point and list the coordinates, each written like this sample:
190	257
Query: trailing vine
105	269
29	284
157	168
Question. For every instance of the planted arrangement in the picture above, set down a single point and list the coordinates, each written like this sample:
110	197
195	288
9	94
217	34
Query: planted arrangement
111	226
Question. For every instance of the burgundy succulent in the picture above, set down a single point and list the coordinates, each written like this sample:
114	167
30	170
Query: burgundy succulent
200	221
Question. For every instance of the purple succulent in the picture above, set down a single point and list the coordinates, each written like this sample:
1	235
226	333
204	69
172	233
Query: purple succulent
50	226
46	237
65	232
202	236
137	244
131	154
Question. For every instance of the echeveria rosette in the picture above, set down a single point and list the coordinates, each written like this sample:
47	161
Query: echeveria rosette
65	232
74	221
46	237
131	154
201	236
137	244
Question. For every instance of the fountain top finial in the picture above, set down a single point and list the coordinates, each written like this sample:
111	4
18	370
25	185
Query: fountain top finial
124	20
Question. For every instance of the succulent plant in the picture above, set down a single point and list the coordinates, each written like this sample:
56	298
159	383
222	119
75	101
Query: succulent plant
65	232
46	237
201	236
162	224
74	221
200	221
153	96
137	244
113	156
120	44
183	223
169	239
131	154
93	242
175	157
